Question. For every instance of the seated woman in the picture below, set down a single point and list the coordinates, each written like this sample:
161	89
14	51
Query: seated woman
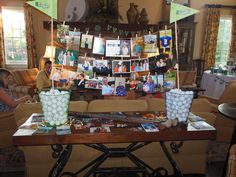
7	102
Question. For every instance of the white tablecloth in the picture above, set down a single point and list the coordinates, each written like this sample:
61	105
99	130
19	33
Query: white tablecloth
214	84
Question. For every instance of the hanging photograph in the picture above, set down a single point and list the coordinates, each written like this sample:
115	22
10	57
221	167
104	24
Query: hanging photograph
149	86
136	47
66	57
107	87
118	48
62	33
73	40
170	79
99	46
85	65
102	67
62	75
93	84
139	65
86	41
150	43
165	39
120	89
121	66
157	64
112	48
125	48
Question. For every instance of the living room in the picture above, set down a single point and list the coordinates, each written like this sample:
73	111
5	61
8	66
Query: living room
200	56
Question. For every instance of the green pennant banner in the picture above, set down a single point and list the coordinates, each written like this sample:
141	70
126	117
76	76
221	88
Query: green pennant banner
178	12
48	7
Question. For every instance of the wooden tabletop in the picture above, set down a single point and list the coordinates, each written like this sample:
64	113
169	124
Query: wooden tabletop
228	109
117	135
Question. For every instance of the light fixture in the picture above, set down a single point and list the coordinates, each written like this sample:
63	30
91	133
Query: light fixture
50	52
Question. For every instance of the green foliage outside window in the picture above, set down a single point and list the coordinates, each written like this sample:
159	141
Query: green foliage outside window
223	41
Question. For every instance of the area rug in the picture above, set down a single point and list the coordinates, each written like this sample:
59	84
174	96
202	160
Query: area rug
11	160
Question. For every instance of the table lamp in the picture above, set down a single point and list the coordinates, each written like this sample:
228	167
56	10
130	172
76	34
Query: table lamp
48	55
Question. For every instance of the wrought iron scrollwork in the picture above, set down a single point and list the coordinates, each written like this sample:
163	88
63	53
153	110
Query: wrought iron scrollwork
159	172
176	146
57	149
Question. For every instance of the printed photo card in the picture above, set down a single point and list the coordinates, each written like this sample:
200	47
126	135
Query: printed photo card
139	65
62	33
86	41
150	43
99	46
102	67
118	48
121	66
136	46
66	57
165	39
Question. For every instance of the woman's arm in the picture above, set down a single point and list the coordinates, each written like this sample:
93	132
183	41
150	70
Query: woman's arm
8	100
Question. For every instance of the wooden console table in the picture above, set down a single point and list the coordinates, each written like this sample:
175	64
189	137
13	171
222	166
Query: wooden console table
98	141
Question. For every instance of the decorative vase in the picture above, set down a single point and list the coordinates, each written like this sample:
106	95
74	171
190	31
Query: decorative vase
132	14
137	16
143	19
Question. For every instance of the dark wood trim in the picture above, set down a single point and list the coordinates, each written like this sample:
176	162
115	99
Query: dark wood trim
103	26
219	6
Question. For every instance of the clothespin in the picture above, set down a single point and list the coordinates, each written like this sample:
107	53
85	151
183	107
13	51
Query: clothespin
87	32
85	55
165	27
121	58
63	23
99	35
102	58
118	37
75	29
149	32
136	36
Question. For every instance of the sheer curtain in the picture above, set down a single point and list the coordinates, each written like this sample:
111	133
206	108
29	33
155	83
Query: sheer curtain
233	39
2	63
210	37
30	38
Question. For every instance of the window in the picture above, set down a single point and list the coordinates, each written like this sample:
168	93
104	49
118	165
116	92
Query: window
223	40
14	35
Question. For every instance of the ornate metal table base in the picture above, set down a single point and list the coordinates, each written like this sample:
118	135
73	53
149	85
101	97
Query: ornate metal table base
63	154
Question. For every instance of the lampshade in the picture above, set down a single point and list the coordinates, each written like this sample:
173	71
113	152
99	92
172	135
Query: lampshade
50	51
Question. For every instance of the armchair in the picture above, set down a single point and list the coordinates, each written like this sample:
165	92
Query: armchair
224	126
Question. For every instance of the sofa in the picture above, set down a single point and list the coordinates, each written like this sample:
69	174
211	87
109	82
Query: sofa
191	159
24	82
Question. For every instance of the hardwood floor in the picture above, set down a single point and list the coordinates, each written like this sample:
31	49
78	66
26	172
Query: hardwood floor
213	170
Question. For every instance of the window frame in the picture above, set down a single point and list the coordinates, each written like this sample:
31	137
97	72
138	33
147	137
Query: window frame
15	64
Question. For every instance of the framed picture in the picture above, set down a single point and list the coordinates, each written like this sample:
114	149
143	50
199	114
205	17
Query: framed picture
86	41
150	43
121	66
139	65
99	46
66	57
